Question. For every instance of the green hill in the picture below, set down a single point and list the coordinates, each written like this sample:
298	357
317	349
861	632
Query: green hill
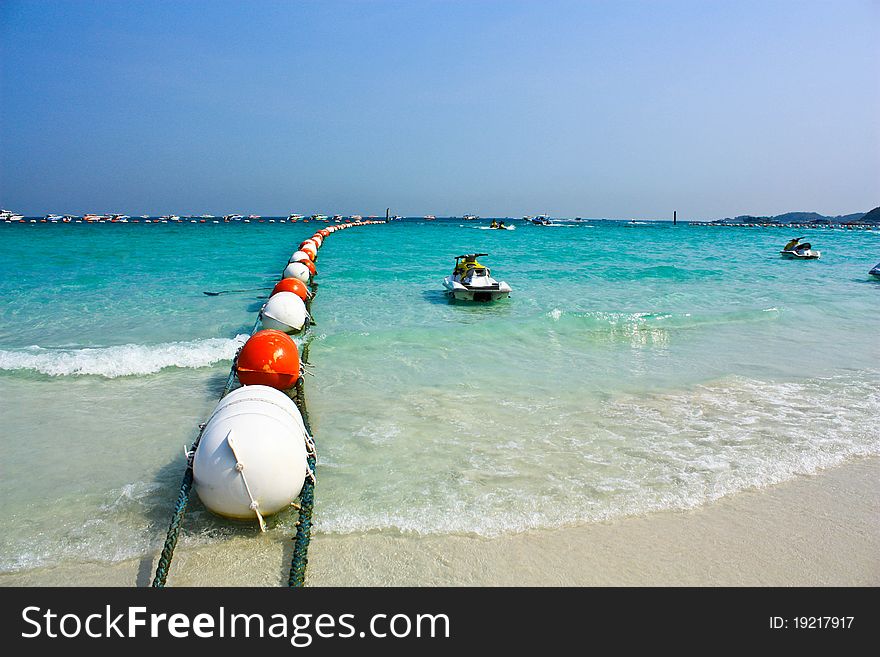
872	217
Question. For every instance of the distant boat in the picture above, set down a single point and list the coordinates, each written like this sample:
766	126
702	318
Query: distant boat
430	217
541	220
470	217
294	217
9	215
233	217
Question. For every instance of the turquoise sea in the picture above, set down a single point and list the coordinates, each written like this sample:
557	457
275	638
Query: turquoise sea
634	368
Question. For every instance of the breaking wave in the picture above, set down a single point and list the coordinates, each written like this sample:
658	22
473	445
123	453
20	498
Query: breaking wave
121	360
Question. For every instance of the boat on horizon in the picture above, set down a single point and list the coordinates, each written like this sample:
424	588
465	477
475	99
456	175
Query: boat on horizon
470	217
9	215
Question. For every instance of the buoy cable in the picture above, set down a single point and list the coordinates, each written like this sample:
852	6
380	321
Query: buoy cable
300	557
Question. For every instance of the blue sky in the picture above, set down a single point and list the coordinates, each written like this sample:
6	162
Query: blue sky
598	109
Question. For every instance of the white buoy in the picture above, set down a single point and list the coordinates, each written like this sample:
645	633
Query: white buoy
296	270
299	255
251	460
284	311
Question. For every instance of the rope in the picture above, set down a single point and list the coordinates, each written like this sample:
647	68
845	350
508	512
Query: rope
311	296
300	558
185	489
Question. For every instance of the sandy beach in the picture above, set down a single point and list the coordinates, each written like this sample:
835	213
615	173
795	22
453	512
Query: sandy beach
821	530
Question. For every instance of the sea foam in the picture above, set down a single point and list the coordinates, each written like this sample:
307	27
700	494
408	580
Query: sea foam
121	360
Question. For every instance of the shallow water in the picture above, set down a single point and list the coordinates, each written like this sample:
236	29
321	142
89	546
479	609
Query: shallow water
634	368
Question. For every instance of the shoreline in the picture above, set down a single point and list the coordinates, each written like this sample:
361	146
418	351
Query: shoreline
814	530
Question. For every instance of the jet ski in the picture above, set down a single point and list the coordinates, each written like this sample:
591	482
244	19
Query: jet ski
497	225
875	271
795	250
471	281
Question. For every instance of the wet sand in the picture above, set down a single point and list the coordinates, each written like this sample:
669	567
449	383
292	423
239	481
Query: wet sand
820	530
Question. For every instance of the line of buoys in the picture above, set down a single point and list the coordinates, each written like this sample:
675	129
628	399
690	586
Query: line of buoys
254	455
252	459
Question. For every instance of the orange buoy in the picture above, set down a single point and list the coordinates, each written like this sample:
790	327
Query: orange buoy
310	251
324	233
268	358
309	242
292	285
311	265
